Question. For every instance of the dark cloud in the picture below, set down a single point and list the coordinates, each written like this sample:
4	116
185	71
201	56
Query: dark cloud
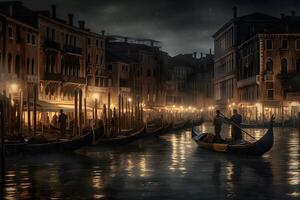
183	26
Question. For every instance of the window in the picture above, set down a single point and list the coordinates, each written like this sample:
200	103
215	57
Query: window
32	66
28	38
283	66
10	32
33	39
89	59
269	44
270	94
89	41
298	66
297	44
109	67
97	43
18	36
97	60
148	72
28	66
269	66
284	44
18	65
9	63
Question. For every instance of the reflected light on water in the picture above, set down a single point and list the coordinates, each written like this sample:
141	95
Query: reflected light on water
178	154
293	165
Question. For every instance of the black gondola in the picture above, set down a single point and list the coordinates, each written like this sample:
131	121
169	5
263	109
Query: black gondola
122	139
62	145
258	148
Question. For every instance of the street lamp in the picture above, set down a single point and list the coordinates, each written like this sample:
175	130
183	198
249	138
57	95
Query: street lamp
129	99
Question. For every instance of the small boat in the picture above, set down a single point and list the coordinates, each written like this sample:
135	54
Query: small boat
122	139
257	148
54	146
154	130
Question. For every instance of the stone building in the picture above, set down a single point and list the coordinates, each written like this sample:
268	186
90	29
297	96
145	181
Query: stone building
146	77
19	57
189	81
263	69
226	40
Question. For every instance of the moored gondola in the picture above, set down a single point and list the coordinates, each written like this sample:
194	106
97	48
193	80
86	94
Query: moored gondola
56	146
122	139
155	130
257	148
179	125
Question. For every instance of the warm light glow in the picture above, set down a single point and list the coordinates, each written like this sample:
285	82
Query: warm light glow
190	107
201	110
174	106
96	96
14	87
129	99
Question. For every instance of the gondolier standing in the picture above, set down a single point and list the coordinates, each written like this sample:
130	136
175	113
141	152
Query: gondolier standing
218	121
236	131
62	120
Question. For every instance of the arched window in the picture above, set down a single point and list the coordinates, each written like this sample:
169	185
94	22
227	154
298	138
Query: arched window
284	66
28	66
298	65
48	68
17	65
9	62
32	66
269	66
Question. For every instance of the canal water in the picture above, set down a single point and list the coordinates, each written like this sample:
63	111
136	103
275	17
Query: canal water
167	167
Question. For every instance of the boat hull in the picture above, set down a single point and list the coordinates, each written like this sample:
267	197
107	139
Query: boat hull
51	147
257	148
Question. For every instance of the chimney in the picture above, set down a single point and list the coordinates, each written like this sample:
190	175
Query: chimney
209	51
53	8
71	16
293	13
195	54
81	24
234	12
282	15
103	32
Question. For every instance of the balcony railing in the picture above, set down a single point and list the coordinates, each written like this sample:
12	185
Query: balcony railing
52	44
64	78
72	49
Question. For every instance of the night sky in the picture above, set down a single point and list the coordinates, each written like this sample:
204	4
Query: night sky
182	26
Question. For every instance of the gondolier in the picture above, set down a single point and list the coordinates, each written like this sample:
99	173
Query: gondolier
218	121
236	132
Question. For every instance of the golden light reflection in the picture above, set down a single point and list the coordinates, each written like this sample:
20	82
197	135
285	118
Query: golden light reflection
293	162
143	166
178	154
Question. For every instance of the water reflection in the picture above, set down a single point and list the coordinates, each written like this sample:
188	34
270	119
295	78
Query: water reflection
169	167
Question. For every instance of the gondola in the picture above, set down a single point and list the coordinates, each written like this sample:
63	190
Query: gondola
122	139
154	130
56	146
258	148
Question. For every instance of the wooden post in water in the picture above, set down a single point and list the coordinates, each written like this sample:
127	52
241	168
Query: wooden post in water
2	112
119	117
138	112
108	125
34	108
20	114
123	118
131	115
85	112
298	120
80	111
96	113
9	108
75	113
28	112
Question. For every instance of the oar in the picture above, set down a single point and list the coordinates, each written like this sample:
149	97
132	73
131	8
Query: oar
238	126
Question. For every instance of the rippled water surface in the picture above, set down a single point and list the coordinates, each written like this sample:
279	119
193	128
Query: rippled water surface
166	167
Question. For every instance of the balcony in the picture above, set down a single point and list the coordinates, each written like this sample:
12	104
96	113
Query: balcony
31	78
248	81
72	50
73	79
269	77
50	44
